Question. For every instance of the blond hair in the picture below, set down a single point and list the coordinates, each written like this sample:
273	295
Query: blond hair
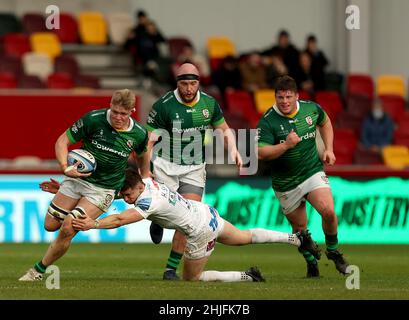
124	98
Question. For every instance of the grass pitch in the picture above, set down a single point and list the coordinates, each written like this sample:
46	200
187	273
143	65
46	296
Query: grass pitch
134	271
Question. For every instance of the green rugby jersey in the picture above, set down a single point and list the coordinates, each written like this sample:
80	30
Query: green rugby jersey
183	143
111	148
301	162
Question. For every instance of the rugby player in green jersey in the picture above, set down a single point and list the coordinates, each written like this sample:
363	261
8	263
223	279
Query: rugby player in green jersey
286	138
180	118
111	135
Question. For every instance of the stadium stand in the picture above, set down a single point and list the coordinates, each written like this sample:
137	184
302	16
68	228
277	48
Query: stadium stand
68	31
331	102
119	26
394	105
396	157
33	22
9	23
7	81
390	85
47	43
60	80
360	85
264	99
37	64
11	64
176	45
219	47
30	82
241	102
16	44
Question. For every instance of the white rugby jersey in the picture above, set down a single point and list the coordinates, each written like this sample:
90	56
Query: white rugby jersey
169	209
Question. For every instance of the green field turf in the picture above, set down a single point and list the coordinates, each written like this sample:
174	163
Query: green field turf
134	271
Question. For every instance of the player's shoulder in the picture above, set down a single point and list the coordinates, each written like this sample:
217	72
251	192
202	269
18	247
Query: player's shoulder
166	98
137	127
207	98
308	105
96	113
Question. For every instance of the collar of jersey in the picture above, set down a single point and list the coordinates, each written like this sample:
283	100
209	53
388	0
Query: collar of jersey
125	130
289	116
192	104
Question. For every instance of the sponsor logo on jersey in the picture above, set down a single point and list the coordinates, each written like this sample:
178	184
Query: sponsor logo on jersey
308	120
105	148
206	113
308	135
191	110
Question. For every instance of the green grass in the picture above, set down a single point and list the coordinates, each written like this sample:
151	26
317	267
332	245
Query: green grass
134	271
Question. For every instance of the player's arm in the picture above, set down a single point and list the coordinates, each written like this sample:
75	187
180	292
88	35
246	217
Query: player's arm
61	153
268	152
327	135
110	222
230	143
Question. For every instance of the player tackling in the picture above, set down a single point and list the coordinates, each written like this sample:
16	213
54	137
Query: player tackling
200	223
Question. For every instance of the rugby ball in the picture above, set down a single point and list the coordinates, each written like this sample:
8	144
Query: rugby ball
86	160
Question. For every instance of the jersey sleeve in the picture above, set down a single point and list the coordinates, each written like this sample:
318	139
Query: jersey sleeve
265	135
80	129
142	146
143	205
217	117
156	117
322	115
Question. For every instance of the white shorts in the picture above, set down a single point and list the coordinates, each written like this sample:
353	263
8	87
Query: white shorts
78	188
202	243
174	175
291	200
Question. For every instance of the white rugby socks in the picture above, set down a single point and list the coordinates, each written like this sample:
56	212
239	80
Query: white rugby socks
268	236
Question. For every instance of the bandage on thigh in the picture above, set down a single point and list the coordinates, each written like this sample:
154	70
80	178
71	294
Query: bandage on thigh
78	212
57	212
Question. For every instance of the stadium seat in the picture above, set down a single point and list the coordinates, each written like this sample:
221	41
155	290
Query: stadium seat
34	22
264	99
30	82
390	85
119	26
345	143
67	64
176	45
358	105
37	64
16	44
219	48
304	95
92	28
60	81
10	64
8	81
236	121
331	102
87	81
241	102
9	23
367	157
403	119
345	120
68	31
334	81
47	43
360	85
396	157
215	93
393	105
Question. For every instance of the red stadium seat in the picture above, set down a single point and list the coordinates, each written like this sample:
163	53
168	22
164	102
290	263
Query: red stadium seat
7	81
304	95
11	65
241	102
361	85
176	45
30	82
393	105
345	120
358	106
367	157
345	143
34	22
16	44
331	102
67	64
60	81
68	31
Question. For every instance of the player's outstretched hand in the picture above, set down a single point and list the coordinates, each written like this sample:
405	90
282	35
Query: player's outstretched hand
83	224
328	157
51	186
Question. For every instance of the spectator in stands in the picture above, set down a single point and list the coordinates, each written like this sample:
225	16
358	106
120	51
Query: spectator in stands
318	62
304	77
253	73
377	128
288	52
135	33
275	68
227	76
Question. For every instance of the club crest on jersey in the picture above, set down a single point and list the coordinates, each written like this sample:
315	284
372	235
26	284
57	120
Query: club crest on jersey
129	143
206	113
308	120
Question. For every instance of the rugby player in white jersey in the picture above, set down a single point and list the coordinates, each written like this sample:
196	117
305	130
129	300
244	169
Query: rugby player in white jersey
200	223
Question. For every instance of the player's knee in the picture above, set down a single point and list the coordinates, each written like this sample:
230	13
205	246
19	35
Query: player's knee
328	214
66	230
51	227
